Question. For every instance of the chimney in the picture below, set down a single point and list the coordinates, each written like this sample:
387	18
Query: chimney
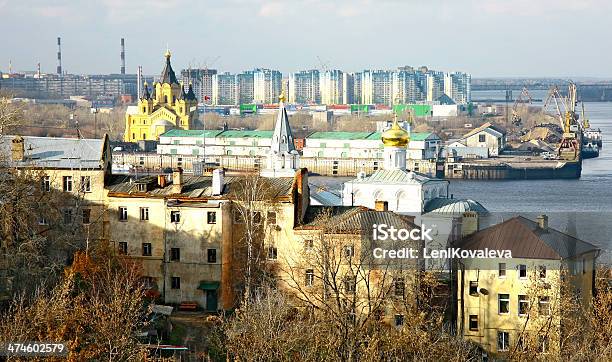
122	56
380	205
469	223
59	55
18	149
542	222
217	181
177	181
161	181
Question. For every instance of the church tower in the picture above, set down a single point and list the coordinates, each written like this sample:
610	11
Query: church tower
395	140
283	159
168	107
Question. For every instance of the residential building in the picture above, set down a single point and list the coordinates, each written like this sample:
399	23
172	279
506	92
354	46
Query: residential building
376	87
434	85
167	108
357	88
331	87
304	87
405	86
224	89
348	88
506	304
245	85
267	85
457	86
202	81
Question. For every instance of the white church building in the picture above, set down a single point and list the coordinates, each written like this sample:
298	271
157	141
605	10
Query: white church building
404	191
283	160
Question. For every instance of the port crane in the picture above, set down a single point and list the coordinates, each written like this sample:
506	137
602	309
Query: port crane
524	97
569	148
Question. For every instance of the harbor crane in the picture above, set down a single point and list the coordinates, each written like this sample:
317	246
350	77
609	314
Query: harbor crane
524	97
569	148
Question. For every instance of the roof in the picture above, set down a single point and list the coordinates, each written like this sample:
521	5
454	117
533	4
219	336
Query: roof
339	135
525	239
56	152
353	219
454	207
167	74
245	134
414	136
282	138
191	133
196	187
395	177
484	127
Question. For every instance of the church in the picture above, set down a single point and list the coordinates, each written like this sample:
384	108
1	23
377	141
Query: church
404	191
168	107
283	160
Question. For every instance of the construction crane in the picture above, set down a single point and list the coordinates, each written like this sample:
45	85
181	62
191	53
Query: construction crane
524	97
569	148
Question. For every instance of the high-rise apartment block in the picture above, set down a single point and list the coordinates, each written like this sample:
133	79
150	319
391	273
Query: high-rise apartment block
304	87
331	85
224	89
267	85
202	82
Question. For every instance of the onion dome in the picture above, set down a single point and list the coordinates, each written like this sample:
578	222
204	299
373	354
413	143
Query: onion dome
190	93
395	136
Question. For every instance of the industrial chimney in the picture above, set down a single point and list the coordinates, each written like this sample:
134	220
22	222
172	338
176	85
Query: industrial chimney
59	55
122	56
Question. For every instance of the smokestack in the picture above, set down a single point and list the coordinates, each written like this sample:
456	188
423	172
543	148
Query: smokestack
139	82
122	56
59	55
38	69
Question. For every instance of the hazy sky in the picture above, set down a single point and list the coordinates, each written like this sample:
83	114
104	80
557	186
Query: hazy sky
486	38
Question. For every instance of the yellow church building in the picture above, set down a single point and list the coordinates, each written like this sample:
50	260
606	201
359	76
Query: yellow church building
169	107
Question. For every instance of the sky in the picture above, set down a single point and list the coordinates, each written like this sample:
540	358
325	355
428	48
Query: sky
487	38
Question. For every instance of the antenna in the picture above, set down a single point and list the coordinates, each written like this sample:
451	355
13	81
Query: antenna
59	55
122	56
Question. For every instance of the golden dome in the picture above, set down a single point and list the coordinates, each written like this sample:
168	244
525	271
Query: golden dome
395	136
167	54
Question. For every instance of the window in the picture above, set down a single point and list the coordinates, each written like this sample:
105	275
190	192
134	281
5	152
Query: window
349	285
399	287
349	251
399	320
141	187
523	305
123	215
503	341
175	216
146	249
522	271
176	283
502	270
504	303
257	217
67	183
238	217
309	277
86	216
85	183
473	323
212	255
272	253
542	343
271	217
482	138
43	220
583	266
45	183
474	288
68	216
544	305
542	271
175	254
144	213
123	247
211	217
308	245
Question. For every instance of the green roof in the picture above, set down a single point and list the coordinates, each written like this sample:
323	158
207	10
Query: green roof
415	136
246	134
340	135
192	133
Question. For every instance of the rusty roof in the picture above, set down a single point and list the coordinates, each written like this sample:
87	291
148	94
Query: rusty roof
354	219
525	239
197	187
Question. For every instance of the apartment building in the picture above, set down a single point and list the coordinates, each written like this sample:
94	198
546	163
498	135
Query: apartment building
224	89
332	87
508	304
304	87
202	82
376	87
267	85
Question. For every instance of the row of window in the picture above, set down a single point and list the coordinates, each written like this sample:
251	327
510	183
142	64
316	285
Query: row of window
503	342
175	216
67	184
68	217
175	253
